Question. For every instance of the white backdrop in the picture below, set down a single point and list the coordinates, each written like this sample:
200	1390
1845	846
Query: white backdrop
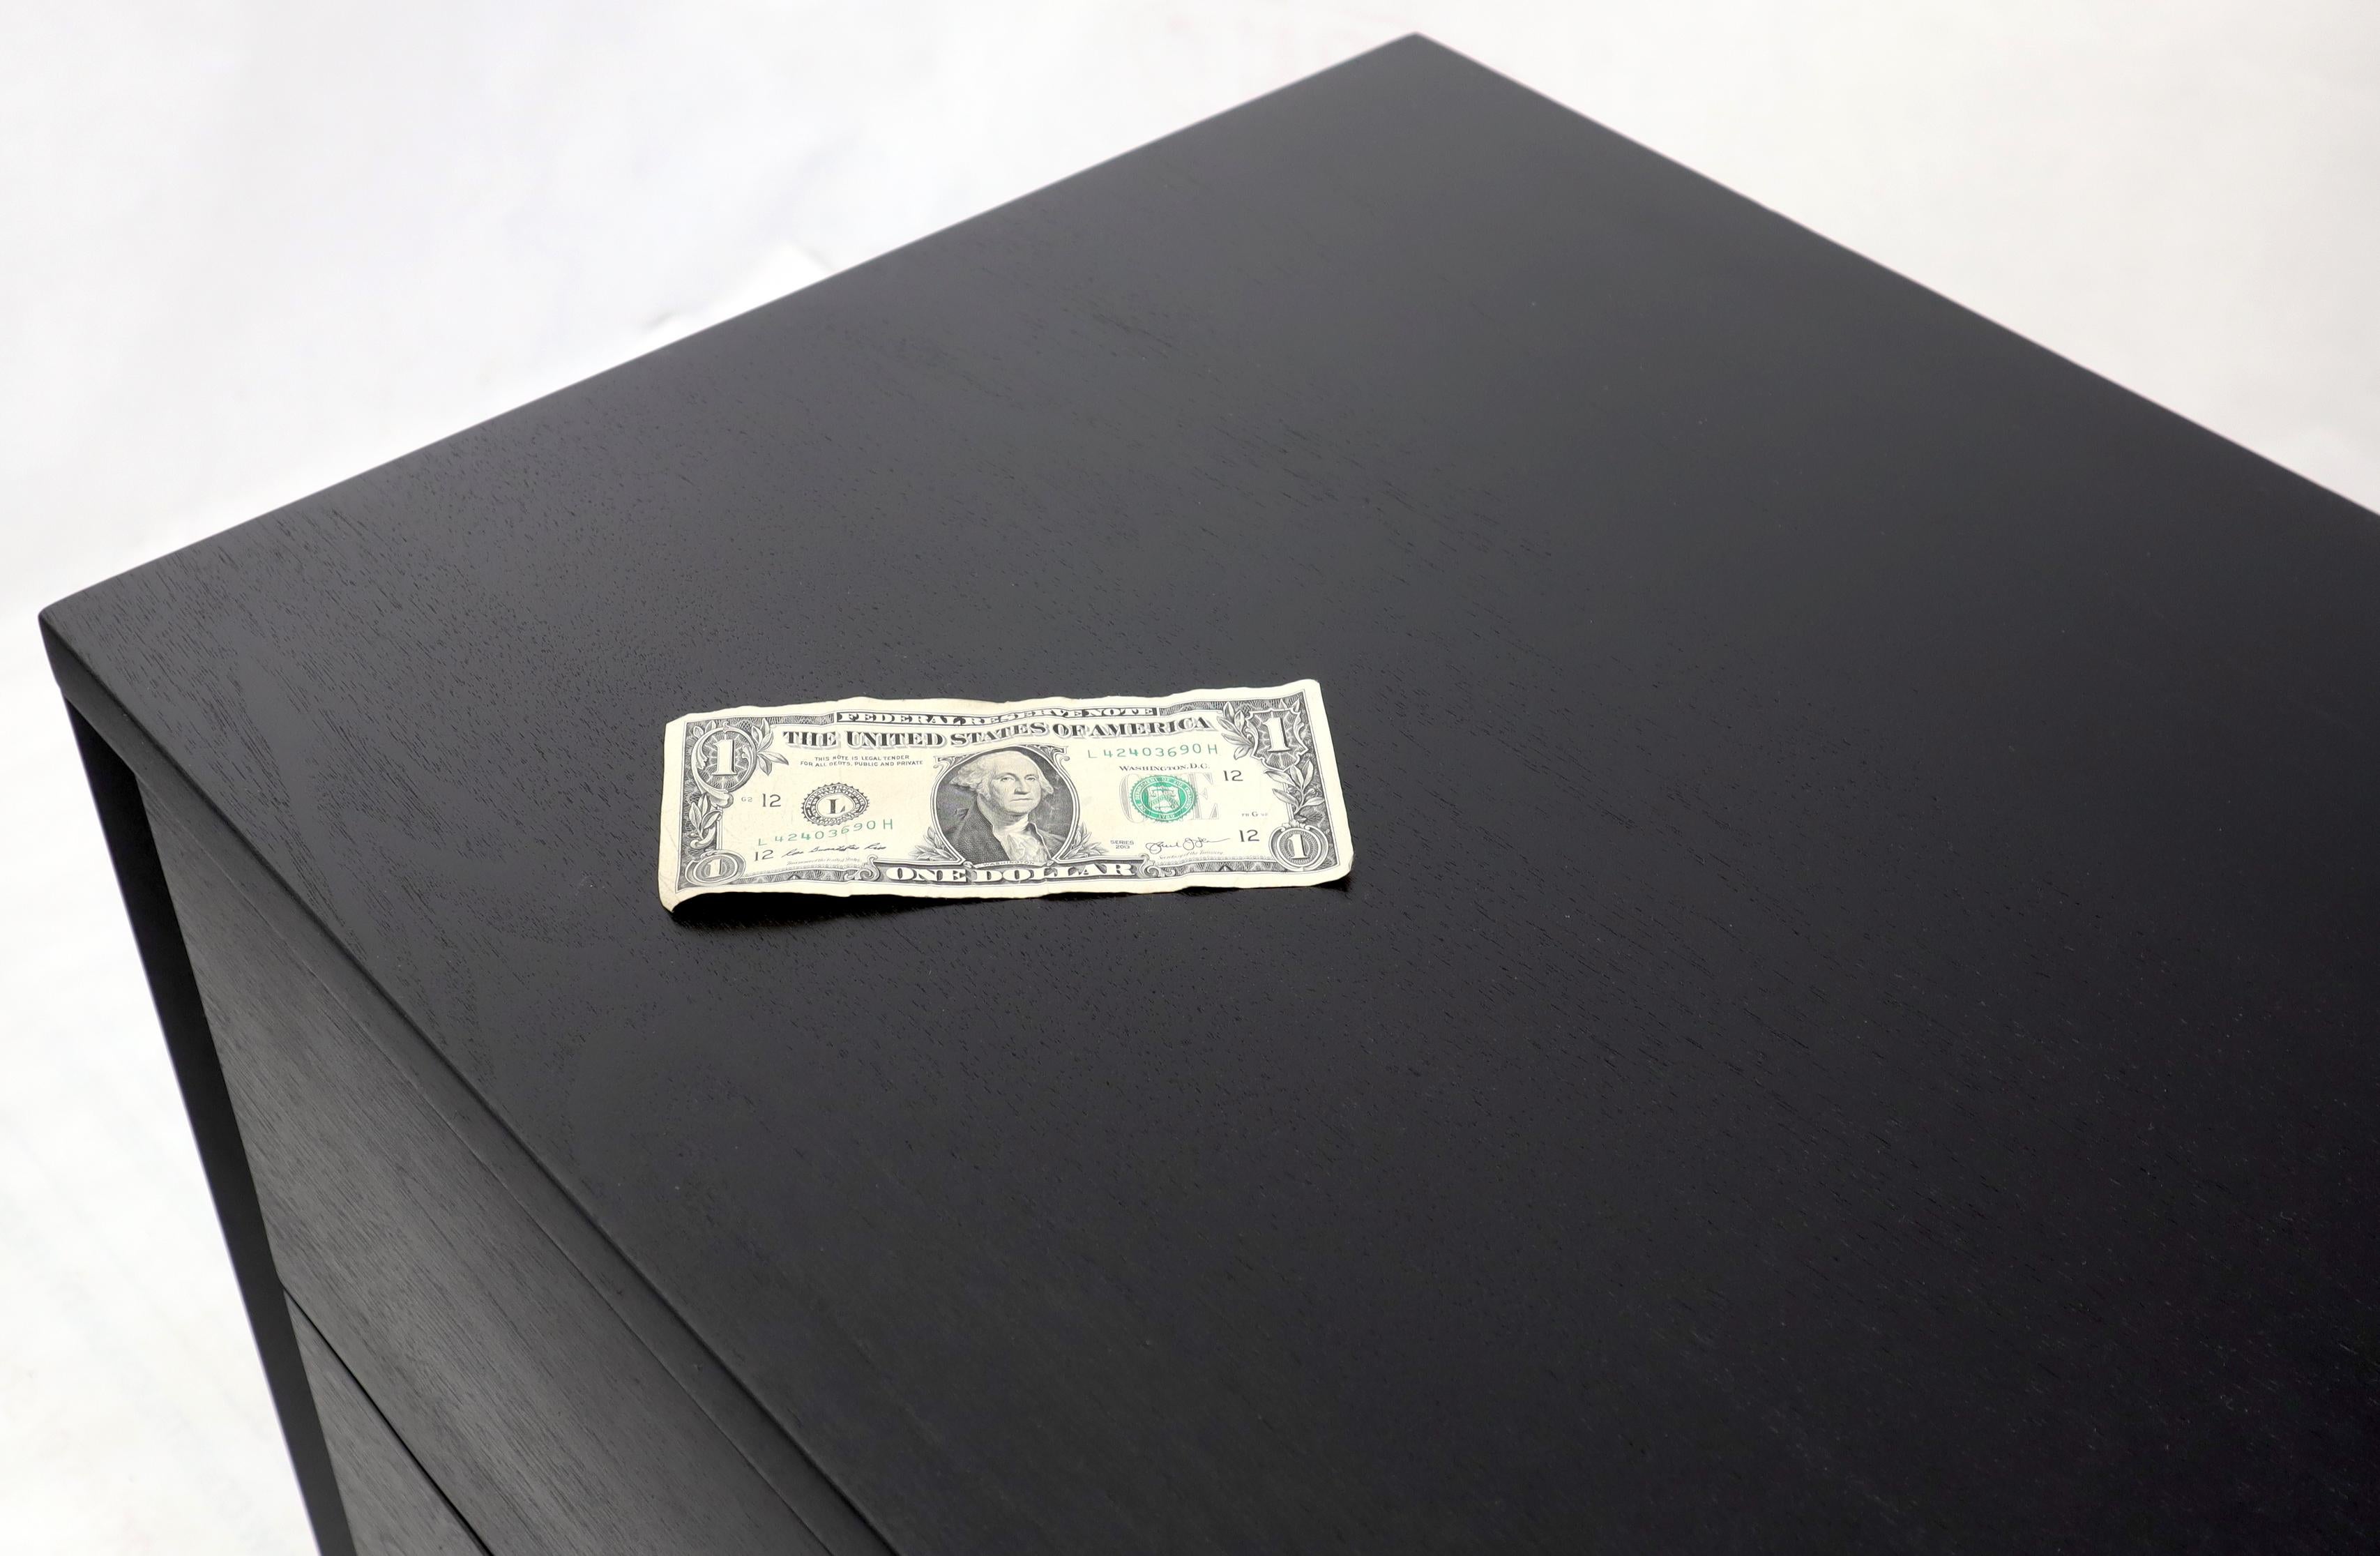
248	248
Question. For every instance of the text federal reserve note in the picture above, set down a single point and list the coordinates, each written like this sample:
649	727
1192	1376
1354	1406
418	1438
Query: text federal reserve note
1004	799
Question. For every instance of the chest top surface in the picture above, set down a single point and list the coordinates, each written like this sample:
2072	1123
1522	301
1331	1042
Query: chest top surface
1855	993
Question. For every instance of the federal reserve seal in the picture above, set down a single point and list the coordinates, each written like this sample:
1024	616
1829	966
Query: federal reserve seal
831	804
1164	797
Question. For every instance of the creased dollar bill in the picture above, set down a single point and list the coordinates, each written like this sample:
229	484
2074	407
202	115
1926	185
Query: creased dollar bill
1004	799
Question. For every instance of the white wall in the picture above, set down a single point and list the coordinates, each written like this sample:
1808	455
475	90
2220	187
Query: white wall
248	248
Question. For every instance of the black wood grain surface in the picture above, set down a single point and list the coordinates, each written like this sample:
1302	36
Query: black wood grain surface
157	930
533	1407
392	1508
1853	1026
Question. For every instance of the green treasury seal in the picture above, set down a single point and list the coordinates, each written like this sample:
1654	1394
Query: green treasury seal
1164	797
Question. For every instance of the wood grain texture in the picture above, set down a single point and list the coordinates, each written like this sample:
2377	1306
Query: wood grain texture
519	1391
181	1014
393	1508
1853	1026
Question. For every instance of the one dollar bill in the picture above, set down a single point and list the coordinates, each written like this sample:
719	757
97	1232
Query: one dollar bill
948	799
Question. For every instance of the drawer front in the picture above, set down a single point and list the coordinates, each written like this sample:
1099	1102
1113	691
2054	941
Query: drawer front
515	1384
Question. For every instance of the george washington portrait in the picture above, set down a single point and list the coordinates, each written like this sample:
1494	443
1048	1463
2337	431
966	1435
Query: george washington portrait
1004	806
